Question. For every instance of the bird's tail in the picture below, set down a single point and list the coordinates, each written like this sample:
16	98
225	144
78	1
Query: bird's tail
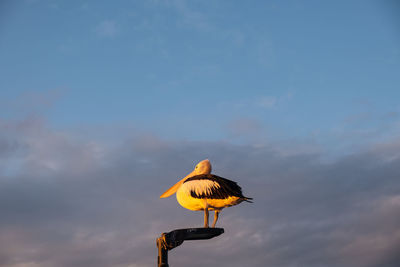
248	199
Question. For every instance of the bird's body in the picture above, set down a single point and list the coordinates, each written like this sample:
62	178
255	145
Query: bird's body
207	190
201	190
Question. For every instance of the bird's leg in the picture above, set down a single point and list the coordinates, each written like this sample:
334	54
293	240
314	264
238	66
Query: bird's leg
215	218
206	217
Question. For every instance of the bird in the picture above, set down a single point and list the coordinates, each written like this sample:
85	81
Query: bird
201	190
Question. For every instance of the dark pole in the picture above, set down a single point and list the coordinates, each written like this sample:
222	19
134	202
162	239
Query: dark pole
168	241
162	259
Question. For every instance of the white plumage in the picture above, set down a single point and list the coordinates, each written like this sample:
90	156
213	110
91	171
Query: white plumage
199	187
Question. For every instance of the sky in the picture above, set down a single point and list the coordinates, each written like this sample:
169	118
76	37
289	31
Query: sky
106	104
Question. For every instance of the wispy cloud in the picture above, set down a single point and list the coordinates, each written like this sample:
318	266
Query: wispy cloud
31	103
191	17
266	102
107	28
244	126
261	102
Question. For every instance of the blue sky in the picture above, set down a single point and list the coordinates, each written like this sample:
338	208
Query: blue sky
189	69
105	104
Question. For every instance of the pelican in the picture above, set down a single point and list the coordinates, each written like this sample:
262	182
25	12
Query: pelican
201	190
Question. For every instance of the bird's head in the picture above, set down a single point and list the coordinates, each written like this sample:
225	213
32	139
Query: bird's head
203	167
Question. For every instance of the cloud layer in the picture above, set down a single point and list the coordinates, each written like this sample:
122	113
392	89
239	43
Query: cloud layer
69	201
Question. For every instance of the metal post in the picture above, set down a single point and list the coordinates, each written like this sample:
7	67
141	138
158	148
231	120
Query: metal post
168	241
162	258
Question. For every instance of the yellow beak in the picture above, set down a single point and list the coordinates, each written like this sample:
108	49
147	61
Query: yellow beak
176	186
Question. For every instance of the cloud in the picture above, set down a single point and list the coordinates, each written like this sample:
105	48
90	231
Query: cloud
31	102
107	28
366	126
266	102
244	126
187	14
191	17
79	202
258	102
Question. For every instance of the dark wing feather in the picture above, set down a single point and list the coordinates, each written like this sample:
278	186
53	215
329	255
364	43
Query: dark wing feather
227	188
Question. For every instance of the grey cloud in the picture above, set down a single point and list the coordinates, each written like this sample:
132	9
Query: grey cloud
244	126
10	148
98	205
29	103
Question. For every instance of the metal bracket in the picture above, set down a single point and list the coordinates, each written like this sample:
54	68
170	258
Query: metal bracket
171	240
